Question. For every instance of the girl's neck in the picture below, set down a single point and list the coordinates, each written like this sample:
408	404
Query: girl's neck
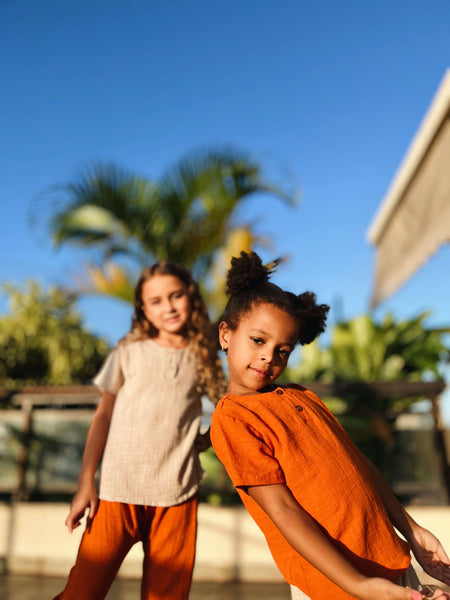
171	340
232	391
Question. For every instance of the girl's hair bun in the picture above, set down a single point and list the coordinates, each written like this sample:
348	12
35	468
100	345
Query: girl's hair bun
245	272
313	317
248	286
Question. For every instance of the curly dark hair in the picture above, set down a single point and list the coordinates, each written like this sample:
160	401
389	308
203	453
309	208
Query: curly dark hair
248	286
201	333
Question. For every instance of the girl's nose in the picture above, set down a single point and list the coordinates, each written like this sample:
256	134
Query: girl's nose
168	305
267	356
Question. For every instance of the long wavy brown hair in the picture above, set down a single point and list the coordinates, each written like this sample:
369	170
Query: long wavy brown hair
201	333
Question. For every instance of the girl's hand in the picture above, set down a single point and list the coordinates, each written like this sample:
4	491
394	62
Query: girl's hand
430	554
86	497
436	595
374	588
202	442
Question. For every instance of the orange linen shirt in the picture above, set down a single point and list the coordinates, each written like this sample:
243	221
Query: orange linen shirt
288	436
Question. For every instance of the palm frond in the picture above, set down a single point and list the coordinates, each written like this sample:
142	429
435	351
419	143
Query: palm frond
110	280
186	215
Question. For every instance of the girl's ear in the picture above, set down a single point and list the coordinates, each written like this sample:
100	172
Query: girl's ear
224	334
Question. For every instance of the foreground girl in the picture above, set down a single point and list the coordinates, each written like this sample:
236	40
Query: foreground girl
147	424
327	514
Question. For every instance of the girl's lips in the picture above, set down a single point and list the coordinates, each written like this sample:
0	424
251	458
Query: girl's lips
261	374
172	319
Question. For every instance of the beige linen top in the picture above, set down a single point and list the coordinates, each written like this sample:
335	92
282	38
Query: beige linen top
149	457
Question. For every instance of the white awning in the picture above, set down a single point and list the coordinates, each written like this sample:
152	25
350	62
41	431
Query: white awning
414	217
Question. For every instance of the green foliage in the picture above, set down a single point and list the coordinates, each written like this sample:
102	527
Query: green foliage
185	215
42	340
364	350
216	487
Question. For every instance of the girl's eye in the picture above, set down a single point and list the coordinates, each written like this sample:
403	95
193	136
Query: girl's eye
150	303
285	353
256	340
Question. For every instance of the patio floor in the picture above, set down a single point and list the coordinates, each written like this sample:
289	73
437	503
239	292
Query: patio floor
26	587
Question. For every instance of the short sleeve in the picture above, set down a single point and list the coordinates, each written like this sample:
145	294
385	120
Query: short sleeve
110	377
246	456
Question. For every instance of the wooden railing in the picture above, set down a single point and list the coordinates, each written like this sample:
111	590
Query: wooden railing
29	400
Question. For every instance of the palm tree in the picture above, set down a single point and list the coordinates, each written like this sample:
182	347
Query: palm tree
185	216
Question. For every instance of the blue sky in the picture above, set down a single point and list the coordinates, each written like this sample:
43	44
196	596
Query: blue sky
332	91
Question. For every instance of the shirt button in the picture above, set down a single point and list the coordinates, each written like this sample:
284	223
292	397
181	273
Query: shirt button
279	391
299	408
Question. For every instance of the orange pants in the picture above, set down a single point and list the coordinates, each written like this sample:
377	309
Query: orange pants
168	535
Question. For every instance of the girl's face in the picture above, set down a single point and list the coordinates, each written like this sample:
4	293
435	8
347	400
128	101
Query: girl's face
166	304
258	350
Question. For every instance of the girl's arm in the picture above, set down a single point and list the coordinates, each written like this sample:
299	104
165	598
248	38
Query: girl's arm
86	496
426	547
308	539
